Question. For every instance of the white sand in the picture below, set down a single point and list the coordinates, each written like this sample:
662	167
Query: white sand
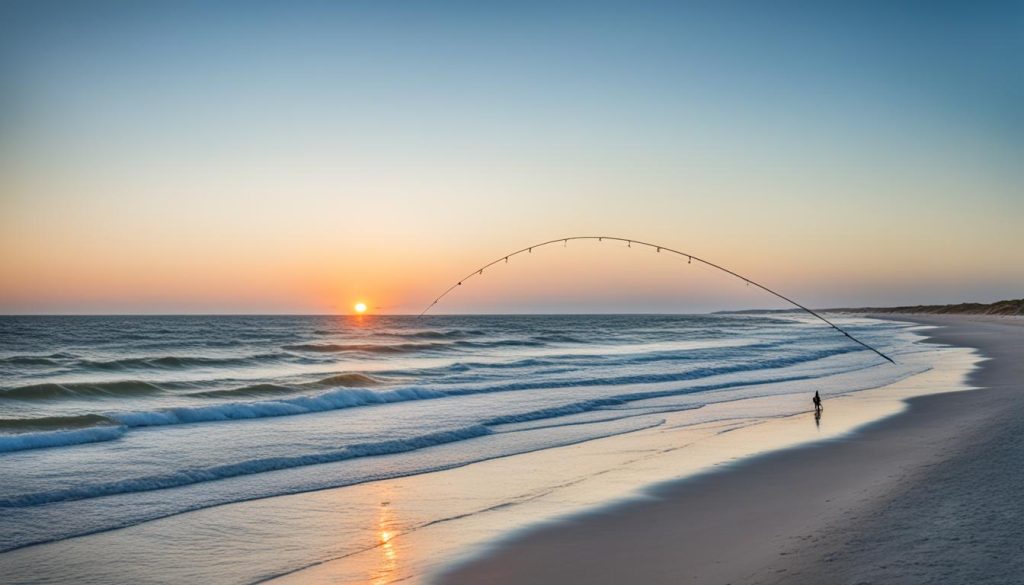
935	494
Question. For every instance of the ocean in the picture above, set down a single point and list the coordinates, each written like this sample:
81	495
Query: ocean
111	422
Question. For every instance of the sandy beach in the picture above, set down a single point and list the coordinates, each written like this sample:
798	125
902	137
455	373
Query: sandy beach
407	293
929	495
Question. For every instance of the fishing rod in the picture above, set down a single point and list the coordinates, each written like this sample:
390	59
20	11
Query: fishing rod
629	243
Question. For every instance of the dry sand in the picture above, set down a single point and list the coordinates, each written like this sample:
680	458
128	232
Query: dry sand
932	495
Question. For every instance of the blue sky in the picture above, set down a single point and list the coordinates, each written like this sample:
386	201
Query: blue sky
850	143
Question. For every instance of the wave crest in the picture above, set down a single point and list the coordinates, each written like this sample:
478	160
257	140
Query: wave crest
82	389
346	380
331	400
364	347
38	440
177	362
18	425
190	476
393	348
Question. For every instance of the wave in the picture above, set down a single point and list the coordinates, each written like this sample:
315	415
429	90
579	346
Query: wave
53	422
558	338
430	334
176	362
122	421
252	390
190	476
557	411
356	397
38	440
626	359
348	380
501	343
331	400
364	347
49	391
379	348
30	360
624	399
682	376
352	397
360	380
328	401
82	389
523	363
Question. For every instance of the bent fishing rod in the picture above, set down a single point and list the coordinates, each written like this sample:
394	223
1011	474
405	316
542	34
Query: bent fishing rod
629	243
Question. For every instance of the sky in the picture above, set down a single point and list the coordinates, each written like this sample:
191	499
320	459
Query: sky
298	157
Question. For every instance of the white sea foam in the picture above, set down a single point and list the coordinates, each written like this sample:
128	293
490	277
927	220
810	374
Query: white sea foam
195	475
332	400
41	439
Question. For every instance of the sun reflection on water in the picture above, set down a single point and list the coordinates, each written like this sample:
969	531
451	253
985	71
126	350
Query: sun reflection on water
386	531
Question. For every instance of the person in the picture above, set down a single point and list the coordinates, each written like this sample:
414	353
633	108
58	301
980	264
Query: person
817	402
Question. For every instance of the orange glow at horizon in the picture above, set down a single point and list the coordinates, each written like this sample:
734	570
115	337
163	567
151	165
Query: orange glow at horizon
585	276
360	308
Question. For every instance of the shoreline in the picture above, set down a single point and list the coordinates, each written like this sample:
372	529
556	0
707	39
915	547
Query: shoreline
788	516
414	528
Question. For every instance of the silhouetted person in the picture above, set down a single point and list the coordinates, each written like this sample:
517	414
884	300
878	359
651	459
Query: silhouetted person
817	402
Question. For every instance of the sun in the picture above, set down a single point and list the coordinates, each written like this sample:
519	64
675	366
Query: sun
360	308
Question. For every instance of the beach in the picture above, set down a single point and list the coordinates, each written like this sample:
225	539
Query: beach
450	293
929	495
695	454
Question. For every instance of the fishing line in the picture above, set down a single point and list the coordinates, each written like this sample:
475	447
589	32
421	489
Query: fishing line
629	244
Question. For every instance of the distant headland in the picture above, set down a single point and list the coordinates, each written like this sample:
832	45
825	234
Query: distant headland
1009	307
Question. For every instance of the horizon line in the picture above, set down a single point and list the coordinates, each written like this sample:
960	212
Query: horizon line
749	310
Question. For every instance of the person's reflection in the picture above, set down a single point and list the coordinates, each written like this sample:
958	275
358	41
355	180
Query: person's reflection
817	418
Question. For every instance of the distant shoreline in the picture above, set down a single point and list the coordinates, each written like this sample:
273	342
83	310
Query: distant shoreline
1008	307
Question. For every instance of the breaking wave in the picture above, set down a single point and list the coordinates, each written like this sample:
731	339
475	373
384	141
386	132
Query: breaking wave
196	475
331	400
38	440
356	397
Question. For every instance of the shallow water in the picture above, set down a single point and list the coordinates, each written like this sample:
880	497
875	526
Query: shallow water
114	422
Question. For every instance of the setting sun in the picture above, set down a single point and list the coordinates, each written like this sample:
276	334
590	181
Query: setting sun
360	308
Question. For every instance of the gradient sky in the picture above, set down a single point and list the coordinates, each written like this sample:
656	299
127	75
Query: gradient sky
298	156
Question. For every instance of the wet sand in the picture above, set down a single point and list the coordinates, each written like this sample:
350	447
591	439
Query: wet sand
933	494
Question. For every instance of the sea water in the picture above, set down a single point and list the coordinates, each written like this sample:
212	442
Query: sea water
110	423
